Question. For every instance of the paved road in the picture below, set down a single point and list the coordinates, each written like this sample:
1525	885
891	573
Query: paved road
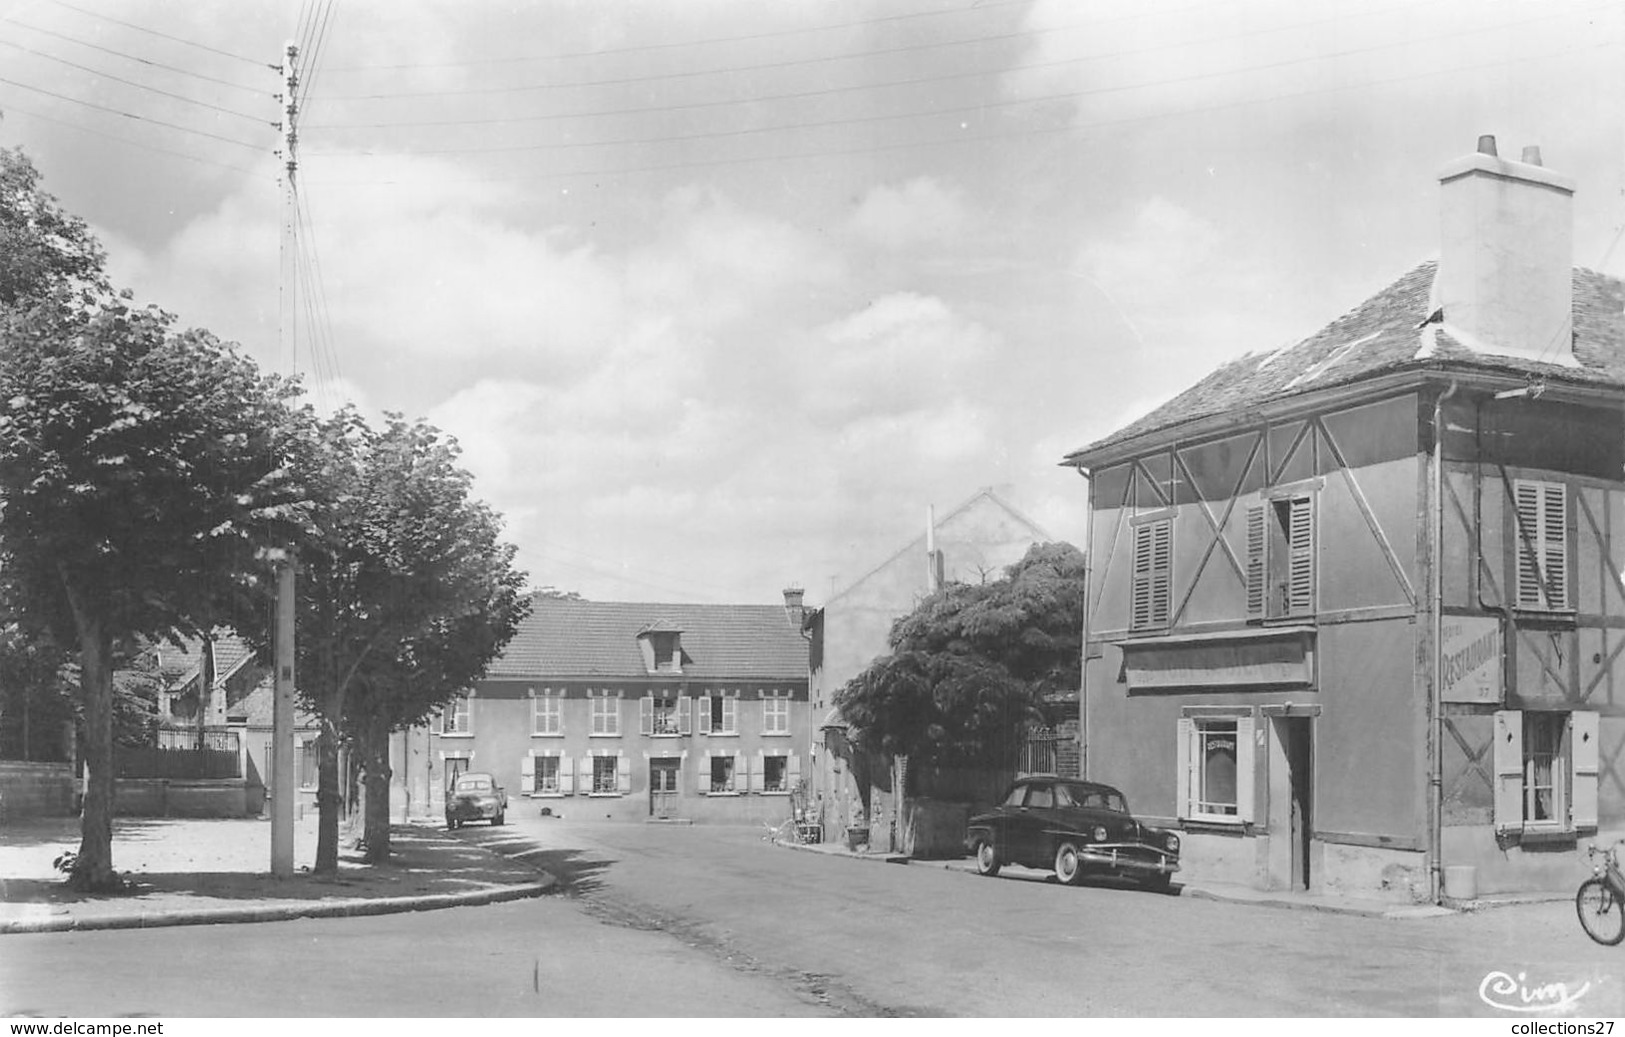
710	921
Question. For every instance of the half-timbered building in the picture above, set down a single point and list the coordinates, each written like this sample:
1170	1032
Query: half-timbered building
1356	616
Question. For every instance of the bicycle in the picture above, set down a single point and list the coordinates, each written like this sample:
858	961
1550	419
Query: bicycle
1600	901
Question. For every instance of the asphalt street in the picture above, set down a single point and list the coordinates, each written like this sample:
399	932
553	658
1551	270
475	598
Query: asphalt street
713	921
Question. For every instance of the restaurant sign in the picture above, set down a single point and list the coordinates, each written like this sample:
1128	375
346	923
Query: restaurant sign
1470	659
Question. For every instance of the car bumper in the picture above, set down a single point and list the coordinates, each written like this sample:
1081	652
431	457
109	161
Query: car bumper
1121	861
472	812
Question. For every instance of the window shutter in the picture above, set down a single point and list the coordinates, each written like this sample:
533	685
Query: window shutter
705	714
584	781
740	773
1301	556
1554	510
1542	510
646	715
1153	559
1508	770
685	715
567	775
527	773
623	774
1257	562
765	720
1526	501
1182	765
1244	769
730	715
1583	772
794	773
614	716
703	766
756	778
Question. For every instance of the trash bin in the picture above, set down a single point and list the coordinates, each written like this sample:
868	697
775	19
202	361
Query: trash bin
856	837
1461	882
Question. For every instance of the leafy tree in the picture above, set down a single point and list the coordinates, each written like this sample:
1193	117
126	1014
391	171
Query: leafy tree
405	599
144	471
973	664
42	247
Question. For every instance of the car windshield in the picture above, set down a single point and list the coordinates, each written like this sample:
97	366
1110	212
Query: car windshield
473	784
1091	798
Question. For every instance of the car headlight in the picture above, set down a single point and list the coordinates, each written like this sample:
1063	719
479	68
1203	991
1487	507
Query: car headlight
1172	843
1100	833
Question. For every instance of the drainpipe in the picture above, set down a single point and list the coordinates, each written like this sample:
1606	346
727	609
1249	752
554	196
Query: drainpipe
1435	689
1083	648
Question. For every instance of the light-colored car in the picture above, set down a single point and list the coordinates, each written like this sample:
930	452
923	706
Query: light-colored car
475	796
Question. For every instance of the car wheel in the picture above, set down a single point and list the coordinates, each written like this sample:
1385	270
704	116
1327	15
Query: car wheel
499	819
1158	883
987	859
1068	866
451	826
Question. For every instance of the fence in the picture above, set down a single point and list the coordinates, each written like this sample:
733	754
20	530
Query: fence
222	739
184	764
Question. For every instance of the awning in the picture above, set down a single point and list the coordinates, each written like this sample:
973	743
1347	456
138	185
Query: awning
1257	657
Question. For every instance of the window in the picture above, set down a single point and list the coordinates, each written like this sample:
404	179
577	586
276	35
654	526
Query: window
663	715
606	716
719	715
604	774
455	719
1542	576
775	716
1215	768
775	774
1545	771
722	774
547	715
309	760
1281	557
541	775
1152	588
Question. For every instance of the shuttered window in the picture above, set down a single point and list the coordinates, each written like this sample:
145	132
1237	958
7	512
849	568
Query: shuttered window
1153	575
1546	766
1281	558
1542	510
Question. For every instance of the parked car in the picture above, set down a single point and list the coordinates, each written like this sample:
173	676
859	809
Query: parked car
475	796
1076	827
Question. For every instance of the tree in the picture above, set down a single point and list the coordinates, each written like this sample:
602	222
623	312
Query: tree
973	664
42	246
405	598
144	472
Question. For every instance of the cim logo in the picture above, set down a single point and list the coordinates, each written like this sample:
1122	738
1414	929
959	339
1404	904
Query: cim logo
1517	994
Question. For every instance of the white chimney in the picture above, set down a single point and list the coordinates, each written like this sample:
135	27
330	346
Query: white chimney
1507	255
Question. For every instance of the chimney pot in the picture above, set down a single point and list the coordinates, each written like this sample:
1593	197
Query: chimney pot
1531	154
1486	144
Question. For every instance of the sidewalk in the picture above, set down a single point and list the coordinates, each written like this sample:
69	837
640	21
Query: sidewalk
1299	900
197	872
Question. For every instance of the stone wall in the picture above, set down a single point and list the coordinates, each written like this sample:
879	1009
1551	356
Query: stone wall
35	789
162	797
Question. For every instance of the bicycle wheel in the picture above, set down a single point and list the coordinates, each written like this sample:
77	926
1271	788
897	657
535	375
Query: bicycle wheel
1602	913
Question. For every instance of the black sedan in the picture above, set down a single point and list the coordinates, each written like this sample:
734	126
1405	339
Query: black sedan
475	797
1076	827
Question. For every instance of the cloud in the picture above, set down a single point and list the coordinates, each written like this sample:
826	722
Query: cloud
917	212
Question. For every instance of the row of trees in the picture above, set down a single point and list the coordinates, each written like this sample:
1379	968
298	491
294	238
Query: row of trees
973	665
149	472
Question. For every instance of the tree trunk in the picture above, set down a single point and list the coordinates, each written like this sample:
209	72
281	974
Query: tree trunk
329	799
375	782
92	871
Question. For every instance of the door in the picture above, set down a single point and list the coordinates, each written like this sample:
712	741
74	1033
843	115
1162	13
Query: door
663	786
1299	750
1029	844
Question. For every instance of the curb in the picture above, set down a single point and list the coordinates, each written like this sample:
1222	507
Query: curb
281	913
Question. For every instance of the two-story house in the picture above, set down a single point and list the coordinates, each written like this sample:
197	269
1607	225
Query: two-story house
1357	605
631	711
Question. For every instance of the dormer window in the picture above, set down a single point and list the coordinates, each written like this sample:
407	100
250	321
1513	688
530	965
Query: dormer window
662	646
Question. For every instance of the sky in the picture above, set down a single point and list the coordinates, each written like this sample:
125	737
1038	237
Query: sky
720	296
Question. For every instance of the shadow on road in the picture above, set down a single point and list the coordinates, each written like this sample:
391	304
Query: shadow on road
575	869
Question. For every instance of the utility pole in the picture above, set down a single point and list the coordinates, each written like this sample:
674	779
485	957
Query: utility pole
282	776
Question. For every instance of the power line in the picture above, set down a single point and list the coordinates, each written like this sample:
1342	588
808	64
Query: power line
972	138
937	112
129	82
316	53
11	108
828	91
132	57
162	35
130	115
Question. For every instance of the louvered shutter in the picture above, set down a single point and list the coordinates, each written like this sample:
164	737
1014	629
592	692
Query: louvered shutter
584	775
646	715
1542	544
705	714
1554	508
1244	769
1153	559
1583	770
1257	558
1526	499
567	775
527	773
1301	556
685	715
704	767
623	774
756	778
730	715
1509	770
794	772
1182	766
740	773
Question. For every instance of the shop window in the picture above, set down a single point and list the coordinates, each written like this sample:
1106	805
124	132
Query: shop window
1215	768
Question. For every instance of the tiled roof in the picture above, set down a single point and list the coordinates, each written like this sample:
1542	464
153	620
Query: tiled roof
572	638
1391	331
180	665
